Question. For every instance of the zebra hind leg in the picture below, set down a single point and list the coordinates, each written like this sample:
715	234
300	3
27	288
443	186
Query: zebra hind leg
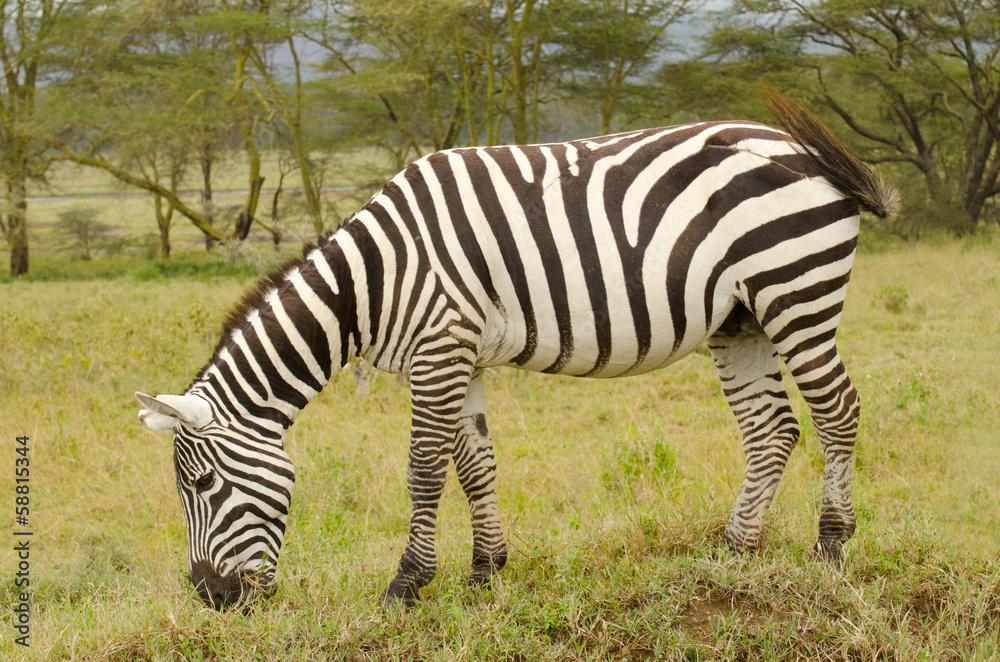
835	407
476	469
750	372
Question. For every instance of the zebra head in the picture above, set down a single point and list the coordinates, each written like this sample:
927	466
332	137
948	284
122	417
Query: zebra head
235	487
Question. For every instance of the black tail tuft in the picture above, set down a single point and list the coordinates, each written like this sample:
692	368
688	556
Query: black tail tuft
844	170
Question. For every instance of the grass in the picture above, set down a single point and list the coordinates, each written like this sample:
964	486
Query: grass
614	493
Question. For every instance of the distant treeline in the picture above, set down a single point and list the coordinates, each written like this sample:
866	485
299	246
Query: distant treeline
157	92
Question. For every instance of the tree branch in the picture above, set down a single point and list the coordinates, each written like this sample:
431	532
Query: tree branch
68	154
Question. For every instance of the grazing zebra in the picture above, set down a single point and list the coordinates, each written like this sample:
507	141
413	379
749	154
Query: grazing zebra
604	257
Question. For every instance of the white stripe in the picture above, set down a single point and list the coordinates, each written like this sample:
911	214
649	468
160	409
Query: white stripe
522	164
534	271
307	391
324	316
319	259
581	310
299	344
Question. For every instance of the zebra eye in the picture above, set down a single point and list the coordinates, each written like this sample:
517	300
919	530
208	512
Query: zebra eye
205	481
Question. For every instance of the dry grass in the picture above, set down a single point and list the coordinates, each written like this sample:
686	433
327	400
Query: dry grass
600	568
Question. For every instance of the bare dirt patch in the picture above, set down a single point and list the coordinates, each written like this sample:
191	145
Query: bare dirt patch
710	609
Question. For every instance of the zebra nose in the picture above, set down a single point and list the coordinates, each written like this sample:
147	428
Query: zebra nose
215	590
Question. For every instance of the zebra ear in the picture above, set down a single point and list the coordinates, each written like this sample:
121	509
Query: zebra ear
165	412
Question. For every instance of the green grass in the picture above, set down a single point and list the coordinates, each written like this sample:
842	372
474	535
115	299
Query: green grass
614	493
192	264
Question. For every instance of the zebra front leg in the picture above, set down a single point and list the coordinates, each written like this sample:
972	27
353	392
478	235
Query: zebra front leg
750	372
437	391
476	468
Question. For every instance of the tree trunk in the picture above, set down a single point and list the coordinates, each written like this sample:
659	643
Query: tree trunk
17	224
256	182
164	243
163	221
249	212
98	161
520	74
309	188
18	240
207	158
275	230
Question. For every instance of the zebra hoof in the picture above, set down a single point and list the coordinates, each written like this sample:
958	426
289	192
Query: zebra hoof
740	544
484	566
481	577
401	595
829	552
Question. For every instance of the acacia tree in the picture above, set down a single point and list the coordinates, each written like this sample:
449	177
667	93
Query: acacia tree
403	73
917	81
154	105
529	28
443	72
30	32
287	98
606	44
243	26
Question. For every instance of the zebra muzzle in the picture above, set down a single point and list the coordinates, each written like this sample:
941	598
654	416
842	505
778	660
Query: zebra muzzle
226	591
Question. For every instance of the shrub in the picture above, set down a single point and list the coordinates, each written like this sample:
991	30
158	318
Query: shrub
631	463
82	224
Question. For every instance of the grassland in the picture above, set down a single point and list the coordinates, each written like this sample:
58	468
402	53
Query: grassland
614	493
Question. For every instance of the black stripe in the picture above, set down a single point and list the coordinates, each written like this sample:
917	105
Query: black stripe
242	365
811	293
574	194
422	268
309	328
292	361
804	322
788	272
265	414
343	305
374	263
434	217
786	228
466	234
530	198
754	183
489	201
279	387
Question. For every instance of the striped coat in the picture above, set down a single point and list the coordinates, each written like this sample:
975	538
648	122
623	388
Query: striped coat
603	257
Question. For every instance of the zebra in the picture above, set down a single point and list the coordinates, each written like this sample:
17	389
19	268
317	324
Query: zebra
602	257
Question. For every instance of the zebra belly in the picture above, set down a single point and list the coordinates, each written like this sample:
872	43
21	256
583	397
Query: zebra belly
584	355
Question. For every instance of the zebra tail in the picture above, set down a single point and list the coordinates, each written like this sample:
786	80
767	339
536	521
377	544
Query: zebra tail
844	170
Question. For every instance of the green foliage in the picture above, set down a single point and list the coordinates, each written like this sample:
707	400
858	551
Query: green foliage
169	97
653	461
82	225
193	265
892	298
607	47
913	83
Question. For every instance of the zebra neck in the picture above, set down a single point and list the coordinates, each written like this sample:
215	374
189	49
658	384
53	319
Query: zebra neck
304	329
